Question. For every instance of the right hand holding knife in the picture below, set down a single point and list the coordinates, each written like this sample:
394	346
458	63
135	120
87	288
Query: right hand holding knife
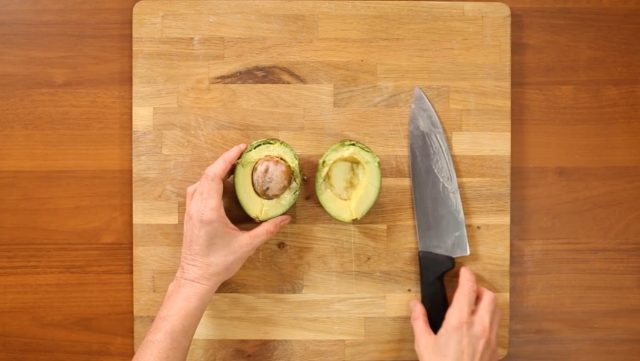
470	328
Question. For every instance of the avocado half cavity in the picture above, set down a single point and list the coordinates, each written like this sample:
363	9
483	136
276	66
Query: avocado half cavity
348	180
267	179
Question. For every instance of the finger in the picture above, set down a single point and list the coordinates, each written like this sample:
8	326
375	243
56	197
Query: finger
231	171
486	307
486	304
495	321
266	230
219	169
191	190
493	336
464	300
214	174
421	330
495	324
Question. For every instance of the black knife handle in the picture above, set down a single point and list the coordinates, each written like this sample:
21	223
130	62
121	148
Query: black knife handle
433	267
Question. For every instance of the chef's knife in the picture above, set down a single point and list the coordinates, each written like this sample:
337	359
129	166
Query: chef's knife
438	209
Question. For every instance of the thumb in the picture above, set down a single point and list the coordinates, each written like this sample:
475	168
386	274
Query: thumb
266	230
421	330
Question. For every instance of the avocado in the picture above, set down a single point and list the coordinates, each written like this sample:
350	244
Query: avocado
267	179
348	180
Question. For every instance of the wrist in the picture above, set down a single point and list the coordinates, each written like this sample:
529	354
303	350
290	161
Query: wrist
182	283
190	274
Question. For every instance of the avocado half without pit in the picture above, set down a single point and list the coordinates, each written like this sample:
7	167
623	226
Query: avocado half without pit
267	179
348	180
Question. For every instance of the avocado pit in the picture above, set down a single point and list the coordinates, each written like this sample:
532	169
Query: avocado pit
343	177
271	177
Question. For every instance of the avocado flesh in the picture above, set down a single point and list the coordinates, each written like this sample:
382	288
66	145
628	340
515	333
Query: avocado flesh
254	204
348	180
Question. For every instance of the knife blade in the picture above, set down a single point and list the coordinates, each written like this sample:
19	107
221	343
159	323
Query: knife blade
440	224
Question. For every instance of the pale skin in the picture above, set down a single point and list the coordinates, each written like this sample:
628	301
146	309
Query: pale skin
214	249
470	328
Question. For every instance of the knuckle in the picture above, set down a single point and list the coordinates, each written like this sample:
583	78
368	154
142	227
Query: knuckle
204	216
415	317
459	323
190	213
464	323
483	330
272	230
210	174
472	288
208	218
269	230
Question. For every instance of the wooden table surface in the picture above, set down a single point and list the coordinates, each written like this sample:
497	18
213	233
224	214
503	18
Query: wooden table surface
65	180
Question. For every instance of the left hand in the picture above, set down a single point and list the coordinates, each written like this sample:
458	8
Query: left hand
213	249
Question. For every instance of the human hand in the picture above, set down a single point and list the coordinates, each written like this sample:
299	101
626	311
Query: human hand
470	328
213	249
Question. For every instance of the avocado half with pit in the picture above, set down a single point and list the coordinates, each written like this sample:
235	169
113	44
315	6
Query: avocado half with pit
348	180
267	179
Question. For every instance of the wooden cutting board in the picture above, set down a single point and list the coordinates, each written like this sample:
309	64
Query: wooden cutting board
209	75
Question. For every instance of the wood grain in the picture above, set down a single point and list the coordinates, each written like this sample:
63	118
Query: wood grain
575	177
66	231
312	73
65	181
